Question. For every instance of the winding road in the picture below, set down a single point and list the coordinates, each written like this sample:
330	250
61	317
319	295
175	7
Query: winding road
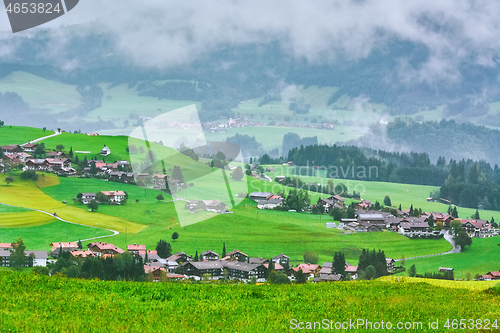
43	138
60	219
450	240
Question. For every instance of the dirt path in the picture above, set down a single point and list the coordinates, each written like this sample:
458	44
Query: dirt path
60	219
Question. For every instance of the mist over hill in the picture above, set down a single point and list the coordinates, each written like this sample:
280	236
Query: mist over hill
444	138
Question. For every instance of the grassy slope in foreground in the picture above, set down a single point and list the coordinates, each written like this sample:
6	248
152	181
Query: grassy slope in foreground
229	308
16	135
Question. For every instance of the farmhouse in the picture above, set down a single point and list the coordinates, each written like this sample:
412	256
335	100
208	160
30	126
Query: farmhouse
39	258
212	206
209	255
200	268
352	271
30	147
160	181
12	149
88	197
57	247
180	257
244	270
270	203
375	219
135	248
39	164
281	259
236	254
417	227
258	196
114	196
100	249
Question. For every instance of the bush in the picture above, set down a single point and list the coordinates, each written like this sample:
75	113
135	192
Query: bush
29	174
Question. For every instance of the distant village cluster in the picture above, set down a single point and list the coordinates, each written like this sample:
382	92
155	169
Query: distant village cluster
209	265
221	127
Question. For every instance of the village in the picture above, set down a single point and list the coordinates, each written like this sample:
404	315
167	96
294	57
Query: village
366	217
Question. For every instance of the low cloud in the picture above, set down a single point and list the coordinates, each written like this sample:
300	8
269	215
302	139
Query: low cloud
170	33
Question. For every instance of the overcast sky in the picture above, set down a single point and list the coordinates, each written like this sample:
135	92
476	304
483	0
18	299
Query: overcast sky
165	33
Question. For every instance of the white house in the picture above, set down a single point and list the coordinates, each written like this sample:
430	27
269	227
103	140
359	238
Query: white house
105	151
114	196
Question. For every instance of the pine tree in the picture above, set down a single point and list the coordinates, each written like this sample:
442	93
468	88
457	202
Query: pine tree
400	207
411	210
196	256
71	152
454	213
80	246
475	216
431	221
224	250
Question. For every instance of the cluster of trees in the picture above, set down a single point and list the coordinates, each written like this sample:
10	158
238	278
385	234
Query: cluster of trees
372	264
351	162
91	98
447	275
299	107
29	174
472	184
298	200
461	237
249	146
293	140
125	266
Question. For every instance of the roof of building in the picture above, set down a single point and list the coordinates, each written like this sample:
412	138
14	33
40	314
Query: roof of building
106	246
82	254
215	264
241	266
371	217
112	193
64	244
136	247
38	254
261	194
209	252
5	246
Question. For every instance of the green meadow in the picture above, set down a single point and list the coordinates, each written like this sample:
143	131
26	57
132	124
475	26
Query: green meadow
39	237
404	194
481	257
17	135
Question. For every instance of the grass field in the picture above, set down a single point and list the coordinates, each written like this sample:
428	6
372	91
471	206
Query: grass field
26	193
9	209
118	306
404	194
39	237
481	257
16	135
25	219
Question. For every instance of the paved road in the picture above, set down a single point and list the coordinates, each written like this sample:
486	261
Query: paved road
45	137
60	219
449	238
